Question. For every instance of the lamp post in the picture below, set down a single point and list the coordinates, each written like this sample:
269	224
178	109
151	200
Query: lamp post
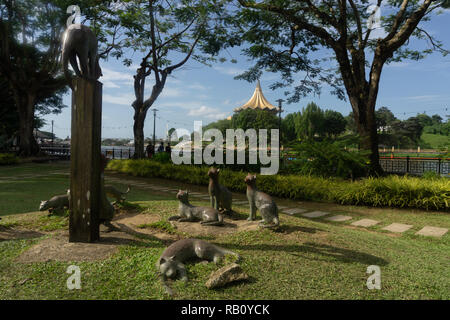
154	126
280	101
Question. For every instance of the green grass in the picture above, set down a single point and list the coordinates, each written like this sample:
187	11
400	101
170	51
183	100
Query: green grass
306	259
436	141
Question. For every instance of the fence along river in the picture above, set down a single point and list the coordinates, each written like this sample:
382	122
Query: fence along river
398	165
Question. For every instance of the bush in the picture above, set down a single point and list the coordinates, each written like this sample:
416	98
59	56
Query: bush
8	158
325	159
392	191
162	157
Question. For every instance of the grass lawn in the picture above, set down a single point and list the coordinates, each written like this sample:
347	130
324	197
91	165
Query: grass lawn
305	259
436	141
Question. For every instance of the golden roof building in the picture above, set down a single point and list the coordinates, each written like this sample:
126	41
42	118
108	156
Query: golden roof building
258	101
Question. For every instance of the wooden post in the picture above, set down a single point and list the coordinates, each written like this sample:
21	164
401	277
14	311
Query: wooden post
85	150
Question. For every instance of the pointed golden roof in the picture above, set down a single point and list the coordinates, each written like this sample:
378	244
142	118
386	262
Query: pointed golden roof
257	101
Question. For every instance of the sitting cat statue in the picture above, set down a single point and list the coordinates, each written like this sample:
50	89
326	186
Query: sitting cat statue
219	195
187	212
263	202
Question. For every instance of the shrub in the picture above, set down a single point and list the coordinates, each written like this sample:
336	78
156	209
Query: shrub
392	191
163	157
325	159
8	158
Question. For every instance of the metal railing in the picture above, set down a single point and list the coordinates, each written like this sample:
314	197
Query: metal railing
63	151
415	165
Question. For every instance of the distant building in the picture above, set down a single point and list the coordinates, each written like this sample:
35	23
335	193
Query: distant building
258	101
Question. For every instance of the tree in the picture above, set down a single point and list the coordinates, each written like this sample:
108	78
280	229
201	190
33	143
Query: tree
413	128
334	123
436	119
163	35
29	52
221	125
384	118
288	127
282	32
311	123
254	119
351	124
424	119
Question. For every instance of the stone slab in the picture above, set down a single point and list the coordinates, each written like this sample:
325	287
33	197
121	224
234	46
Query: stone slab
339	218
398	227
315	214
293	211
365	223
432	231
282	207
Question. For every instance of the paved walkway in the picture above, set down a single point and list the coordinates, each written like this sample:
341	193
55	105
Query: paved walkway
240	200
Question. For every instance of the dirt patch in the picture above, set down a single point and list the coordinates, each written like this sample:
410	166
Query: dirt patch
8	233
136	219
58	248
195	229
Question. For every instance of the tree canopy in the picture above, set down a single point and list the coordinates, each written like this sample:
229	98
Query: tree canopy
282	34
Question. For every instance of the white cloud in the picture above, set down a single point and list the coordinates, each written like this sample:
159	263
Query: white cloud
115	79
229	70
424	97
123	99
169	92
207	112
398	65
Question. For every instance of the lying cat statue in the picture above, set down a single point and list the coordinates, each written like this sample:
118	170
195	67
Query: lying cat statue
220	196
114	193
187	212
56	202
263	202
171	262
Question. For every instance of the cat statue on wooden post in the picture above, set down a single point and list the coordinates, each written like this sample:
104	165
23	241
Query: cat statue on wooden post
79	41
263	202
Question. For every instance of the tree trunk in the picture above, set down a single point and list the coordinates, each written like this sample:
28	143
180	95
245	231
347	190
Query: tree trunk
27	143
138	129
364	112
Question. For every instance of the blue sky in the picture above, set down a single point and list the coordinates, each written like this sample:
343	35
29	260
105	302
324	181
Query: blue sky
197	92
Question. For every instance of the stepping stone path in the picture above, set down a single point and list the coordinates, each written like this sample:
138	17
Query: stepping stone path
282	207
365	223
398	227
339	218
315	214
293	211
432	231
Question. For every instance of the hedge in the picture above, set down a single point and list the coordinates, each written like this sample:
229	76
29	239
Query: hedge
391	191
8	158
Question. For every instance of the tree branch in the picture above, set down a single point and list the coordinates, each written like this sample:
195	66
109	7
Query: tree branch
406	30
398	20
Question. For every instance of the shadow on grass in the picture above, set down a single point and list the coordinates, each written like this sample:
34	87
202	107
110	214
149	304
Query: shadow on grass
340	254
130	231
287	229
